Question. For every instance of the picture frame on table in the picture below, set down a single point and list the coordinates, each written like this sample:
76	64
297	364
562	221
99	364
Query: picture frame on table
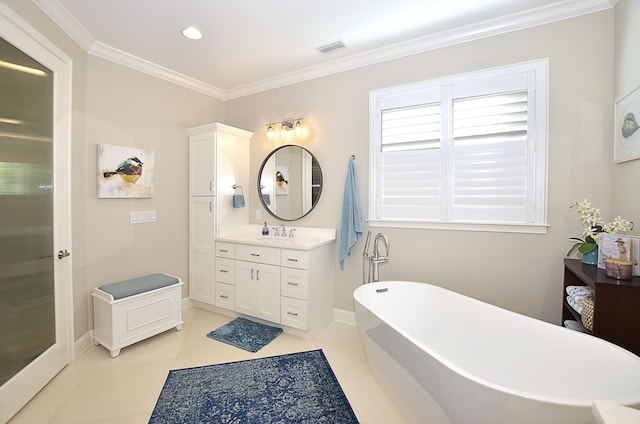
620	247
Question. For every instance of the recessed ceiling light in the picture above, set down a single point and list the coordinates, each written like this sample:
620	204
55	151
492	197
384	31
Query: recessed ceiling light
192	33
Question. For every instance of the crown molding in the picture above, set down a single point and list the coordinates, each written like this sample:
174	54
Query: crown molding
65	20
539	16
123	58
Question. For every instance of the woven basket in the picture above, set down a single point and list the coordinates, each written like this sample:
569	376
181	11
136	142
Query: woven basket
587	313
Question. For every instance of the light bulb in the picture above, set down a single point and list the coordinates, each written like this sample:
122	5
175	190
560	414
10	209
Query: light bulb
270	132
298	128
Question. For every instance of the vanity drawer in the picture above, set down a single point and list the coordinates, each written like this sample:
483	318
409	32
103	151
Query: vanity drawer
294	283
294	313
263	255
225	250
225	270
225	296
295	258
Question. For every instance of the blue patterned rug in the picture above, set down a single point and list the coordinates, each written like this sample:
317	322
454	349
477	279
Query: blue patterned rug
285	389
245	334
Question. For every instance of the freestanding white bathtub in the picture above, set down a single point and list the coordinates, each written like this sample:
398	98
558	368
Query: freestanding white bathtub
447	358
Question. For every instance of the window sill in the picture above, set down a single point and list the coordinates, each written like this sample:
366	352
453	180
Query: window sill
462	226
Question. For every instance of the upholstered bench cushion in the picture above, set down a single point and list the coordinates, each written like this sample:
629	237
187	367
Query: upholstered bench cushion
138	285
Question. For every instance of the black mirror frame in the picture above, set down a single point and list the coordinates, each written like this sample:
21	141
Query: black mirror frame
264	162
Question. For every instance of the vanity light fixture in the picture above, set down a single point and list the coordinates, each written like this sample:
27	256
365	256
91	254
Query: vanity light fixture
192	33
270	132
298	129
288	127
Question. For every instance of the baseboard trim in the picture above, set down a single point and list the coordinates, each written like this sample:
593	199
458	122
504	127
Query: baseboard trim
82	344
344	317
187	303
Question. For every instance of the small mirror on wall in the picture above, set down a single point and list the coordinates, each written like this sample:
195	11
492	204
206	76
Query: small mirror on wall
290	182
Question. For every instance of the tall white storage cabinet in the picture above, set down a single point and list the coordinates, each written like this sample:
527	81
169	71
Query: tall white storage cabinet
218	160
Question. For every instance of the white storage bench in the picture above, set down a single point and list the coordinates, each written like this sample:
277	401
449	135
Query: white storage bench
129	311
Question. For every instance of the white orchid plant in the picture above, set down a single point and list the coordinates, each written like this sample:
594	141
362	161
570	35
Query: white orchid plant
593	227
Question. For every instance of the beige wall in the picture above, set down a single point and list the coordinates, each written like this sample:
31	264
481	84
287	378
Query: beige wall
116	105
625	197
128	108
518	271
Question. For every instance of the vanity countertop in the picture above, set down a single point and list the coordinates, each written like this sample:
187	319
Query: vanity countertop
303	239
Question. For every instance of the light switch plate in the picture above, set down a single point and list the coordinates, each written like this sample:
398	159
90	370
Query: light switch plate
142	217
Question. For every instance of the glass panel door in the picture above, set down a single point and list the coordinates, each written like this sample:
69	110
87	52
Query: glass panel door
27	307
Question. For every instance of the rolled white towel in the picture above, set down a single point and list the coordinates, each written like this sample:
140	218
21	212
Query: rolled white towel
580	291
577	307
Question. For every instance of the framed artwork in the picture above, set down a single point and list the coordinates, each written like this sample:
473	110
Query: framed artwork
627	132
125	172
282	180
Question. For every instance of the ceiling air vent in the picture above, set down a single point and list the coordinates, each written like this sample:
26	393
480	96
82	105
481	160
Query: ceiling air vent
332	47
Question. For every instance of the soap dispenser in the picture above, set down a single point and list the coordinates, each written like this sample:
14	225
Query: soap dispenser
265	229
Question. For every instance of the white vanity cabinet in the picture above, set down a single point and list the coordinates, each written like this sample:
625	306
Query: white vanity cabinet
257	285
201	249
284	281
225	276
306	287
218	158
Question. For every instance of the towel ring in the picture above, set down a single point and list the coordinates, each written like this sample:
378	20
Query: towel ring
236	187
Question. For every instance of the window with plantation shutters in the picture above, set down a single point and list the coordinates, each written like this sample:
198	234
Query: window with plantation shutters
465	151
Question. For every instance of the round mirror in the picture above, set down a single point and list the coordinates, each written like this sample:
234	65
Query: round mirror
290	182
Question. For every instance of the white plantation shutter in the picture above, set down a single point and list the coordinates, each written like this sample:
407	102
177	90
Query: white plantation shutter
410	184
490	158
410	162
469	149
411	128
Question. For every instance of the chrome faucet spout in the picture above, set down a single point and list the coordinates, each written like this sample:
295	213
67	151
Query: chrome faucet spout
376	249
376	259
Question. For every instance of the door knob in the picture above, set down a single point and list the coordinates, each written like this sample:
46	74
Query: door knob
63	254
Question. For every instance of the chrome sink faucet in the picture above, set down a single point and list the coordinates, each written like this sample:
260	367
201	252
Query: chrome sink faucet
284	230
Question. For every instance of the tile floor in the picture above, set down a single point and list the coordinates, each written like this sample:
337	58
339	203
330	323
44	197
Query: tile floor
98	389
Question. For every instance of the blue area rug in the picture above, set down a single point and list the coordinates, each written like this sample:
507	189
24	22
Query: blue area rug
245	334
285	389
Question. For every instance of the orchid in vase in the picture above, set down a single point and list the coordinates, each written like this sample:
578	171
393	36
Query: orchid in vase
593	227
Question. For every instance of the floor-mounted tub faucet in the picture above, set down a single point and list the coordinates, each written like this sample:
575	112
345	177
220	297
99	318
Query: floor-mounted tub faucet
377	258
374	259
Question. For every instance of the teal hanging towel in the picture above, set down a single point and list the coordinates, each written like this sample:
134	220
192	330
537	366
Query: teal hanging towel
238	199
